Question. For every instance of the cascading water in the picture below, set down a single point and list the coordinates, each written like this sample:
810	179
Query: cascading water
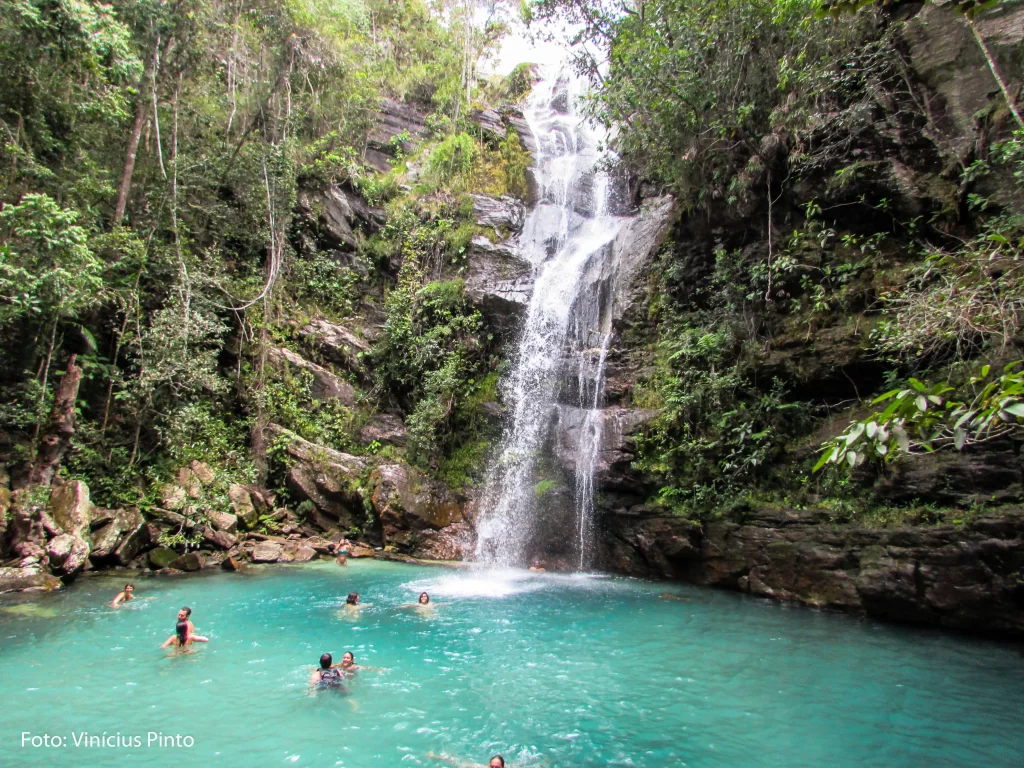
567	329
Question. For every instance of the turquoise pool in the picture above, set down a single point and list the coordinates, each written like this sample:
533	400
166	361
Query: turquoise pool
547	670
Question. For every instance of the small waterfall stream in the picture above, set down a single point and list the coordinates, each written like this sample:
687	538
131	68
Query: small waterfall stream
567	331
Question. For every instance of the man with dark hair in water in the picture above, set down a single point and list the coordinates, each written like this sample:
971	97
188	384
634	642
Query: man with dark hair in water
327	676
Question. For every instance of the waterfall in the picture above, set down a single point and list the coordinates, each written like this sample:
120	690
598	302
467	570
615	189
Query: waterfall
564	345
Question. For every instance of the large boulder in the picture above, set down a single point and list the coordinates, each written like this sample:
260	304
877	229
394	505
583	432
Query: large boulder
340	344
242	505
137	542
331	480
505	215
20	579
191	561
267	552
399	128
384	428
224	521
218	539
497	278
71	508
161	558
106	539
325	385
407	504
298	551
67	554
645	543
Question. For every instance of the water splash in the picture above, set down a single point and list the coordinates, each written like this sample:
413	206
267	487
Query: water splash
564	236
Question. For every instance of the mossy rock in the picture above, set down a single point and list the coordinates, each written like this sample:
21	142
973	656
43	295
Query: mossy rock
161	557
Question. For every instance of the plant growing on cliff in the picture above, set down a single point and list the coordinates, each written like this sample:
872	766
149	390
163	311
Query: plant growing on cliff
923	418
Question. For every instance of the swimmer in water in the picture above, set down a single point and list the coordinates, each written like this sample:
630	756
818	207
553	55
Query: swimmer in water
352	607
327	675
423	605
495	762
182	638
349	667
183	616
124	596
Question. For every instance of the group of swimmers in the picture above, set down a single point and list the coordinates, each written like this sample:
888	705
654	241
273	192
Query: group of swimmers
327	675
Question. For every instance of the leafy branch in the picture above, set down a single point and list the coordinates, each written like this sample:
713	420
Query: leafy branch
922	418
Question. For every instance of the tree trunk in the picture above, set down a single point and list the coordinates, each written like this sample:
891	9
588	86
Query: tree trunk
60	428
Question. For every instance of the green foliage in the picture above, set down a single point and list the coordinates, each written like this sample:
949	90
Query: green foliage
47	268
324	285
519	82
927	418
451	162
698	90
289	401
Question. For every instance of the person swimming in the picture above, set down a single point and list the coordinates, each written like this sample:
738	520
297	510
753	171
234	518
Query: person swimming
349	667
124	596
182	637
327	676
189	636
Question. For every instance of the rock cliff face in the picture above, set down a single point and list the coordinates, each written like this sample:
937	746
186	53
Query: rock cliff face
968	577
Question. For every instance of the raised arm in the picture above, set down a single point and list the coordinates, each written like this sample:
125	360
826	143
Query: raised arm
118	600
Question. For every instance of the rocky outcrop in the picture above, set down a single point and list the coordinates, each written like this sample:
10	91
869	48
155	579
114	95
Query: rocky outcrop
334	219
498	280
617	451
399	128
325	385
340	344
964	577
384	428
412	507
332	481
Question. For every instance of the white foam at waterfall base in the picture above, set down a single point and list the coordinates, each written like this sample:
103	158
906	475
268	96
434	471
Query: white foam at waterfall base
561	237
500	583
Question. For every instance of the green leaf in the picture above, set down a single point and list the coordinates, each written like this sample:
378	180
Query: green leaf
851	458
959	439
922	403
872	430
822	460
1017	409
917	385
886	396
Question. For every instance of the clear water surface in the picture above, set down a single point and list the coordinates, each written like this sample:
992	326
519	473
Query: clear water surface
548	670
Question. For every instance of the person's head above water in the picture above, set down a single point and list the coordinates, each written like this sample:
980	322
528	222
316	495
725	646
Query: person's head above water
353	598
497	762
326	660
129	587
348	659
184	613
424	598
181	630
